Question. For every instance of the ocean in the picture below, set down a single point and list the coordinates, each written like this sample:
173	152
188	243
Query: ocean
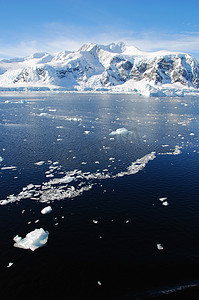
121	174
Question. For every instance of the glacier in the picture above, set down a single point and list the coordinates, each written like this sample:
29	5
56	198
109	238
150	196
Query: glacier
113	68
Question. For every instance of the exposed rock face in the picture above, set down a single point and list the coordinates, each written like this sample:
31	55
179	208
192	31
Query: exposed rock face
94	67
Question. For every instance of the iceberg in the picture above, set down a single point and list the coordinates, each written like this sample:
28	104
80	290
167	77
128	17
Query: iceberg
33	240
120	131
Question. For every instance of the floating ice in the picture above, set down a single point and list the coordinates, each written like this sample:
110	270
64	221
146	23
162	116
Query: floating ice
163	198
159	246
59	189
39	163
10	264
165	203
1	159
138	165
33	240
86	132
65	179
120	131
43	115
177	150
9	168
46	210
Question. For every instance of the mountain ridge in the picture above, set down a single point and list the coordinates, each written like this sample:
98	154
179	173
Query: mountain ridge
111	68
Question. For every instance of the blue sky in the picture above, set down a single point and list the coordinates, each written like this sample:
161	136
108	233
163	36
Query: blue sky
56	25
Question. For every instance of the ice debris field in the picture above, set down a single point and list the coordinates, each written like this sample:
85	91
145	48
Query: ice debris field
75	182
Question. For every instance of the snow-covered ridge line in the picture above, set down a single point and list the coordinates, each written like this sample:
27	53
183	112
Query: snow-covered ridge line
114	68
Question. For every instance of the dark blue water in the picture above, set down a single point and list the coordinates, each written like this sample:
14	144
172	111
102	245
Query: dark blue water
116	257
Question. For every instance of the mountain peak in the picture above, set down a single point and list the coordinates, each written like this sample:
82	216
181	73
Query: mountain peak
113	47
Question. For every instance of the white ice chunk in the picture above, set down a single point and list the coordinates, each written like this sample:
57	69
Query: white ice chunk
1	159
10	264
9	168
165	203
46	210
33	240
39	163
86	132
65	179
120	131
43	115
159	246
177	150
163	199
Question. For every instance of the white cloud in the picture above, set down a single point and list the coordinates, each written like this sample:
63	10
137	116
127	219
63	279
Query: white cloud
55	37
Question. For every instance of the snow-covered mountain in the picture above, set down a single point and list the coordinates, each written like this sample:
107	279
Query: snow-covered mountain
112	68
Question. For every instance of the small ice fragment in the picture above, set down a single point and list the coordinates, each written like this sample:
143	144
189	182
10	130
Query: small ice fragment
23	210
56	224
39	163
159	246
97	162
165	203
46	210
37	221
9	168
99	283
10	264
1	159
192	133
43	115
127	221
111	158
95	221
30	186
86	132
33	240
163	199
84	163
120	131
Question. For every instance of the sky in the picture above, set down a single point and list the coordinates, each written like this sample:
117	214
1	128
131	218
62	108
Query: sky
51	26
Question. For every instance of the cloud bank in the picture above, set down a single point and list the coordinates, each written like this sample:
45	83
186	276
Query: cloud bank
55	37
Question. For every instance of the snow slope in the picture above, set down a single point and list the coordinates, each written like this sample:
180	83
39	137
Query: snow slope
113	68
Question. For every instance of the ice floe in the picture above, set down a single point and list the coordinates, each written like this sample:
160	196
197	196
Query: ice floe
46	210
120	131
33	240
1	159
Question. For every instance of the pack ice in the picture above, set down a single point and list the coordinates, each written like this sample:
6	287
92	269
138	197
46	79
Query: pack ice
33	240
